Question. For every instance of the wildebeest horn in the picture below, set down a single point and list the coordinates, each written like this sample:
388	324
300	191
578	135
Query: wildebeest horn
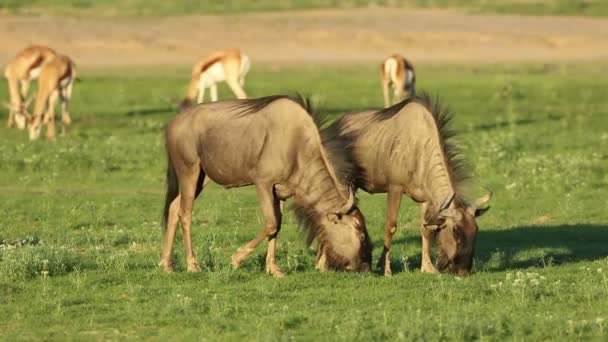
349	203
446	203
483	201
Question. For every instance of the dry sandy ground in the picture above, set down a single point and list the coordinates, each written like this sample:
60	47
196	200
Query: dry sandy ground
318	36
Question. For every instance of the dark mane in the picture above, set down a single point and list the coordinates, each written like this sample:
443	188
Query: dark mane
391	111
342	161
337	150
310	223
252	106
458	167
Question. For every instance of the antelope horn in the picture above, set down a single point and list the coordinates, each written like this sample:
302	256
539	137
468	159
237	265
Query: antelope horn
349	203
446	203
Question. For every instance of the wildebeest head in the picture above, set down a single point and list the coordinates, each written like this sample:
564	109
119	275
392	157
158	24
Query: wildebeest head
456	234
346	242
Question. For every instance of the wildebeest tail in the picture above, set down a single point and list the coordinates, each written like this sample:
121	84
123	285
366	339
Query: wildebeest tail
172	190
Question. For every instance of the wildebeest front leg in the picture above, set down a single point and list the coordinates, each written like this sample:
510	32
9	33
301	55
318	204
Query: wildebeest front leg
394	195
272	218
427	237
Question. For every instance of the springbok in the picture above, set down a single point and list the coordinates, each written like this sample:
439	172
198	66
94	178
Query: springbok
19	71
56	79
408	149
273	143
230	65
397	71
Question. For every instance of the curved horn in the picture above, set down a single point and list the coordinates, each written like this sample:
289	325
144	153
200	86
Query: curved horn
483	201
349	203
446	203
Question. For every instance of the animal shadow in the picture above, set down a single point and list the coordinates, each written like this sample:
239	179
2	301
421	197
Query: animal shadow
527	246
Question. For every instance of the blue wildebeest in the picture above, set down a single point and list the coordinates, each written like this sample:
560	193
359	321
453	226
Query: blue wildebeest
408	149
273	143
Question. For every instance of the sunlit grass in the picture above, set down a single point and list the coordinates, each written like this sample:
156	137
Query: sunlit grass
80	231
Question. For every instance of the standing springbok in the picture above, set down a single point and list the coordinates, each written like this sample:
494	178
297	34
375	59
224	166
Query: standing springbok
272	143
397	71
56	79
230	65
19	71
408	149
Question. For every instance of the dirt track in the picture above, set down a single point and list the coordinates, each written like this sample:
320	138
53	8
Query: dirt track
320	36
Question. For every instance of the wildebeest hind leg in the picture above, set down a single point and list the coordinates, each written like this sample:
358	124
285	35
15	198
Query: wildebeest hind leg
394	195
172	219
188	181
271	210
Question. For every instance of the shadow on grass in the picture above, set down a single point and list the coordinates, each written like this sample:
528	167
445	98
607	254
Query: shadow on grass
151	111
529	246
519	122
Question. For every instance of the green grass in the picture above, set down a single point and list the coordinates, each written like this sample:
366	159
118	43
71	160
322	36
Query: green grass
190	7
80	221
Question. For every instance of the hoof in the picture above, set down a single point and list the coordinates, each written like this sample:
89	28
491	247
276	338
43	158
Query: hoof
426	268
239	256
166	266
236	261
275	271
194	267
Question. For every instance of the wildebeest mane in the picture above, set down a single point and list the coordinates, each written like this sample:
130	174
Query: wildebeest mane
458	168
335	148
310	222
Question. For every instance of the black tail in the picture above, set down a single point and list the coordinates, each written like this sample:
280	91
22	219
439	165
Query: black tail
172	190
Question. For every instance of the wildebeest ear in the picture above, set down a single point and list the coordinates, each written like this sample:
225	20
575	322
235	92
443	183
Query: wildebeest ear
481	211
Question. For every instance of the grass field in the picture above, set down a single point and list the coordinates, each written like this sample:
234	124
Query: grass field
80	221
189	7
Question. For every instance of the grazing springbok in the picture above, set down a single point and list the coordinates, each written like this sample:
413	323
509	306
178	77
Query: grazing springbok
397	71
273	143
230	65
19	71
408	149
56	79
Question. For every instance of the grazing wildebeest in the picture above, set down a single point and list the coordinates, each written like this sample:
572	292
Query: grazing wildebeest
274	144
56	79
407	149
397	71
230	66
19	71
